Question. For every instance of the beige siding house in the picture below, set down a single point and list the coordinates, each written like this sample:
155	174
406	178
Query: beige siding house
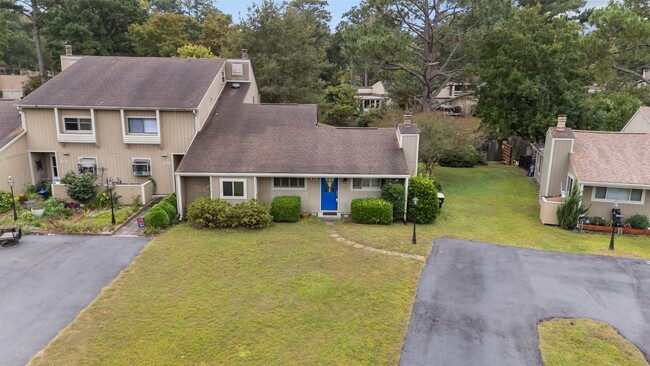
11	86
640	121
608	167
13	148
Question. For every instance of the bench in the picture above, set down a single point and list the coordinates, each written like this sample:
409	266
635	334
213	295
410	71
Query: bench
10	236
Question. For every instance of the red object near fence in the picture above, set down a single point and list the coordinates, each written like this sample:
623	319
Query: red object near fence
506	155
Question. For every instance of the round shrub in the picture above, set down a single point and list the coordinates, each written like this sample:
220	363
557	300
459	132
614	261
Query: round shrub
205	212
286	208
5	201
157	217
462	159
169	209
371	211
252	214
638	221
171	199
393	192
81	187
424	188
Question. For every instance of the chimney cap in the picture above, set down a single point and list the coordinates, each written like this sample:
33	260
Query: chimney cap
244	53
561	122
68	49
407	118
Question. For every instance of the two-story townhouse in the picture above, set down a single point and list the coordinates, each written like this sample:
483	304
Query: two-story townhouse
124	117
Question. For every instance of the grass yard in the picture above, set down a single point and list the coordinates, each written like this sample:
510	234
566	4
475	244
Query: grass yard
585	342
287	295
494	204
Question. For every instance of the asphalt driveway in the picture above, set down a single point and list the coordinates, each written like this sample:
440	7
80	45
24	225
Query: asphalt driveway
479	304
46	280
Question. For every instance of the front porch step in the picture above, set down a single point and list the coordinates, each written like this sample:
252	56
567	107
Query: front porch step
329	216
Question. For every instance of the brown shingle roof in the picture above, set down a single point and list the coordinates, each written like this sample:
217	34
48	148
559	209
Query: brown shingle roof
129	82
10	125
612	157
285	139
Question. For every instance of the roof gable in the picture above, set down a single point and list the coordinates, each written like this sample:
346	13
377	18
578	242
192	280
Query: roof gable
10	123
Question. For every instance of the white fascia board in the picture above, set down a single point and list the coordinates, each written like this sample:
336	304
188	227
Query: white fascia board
615	185
12	141
396	176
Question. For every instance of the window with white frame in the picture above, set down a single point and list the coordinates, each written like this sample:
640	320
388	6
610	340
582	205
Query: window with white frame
87	165
141	167
285	182
233	188
142	125
77	124
620	194
369	184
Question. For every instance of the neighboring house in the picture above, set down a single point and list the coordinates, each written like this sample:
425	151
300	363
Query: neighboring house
456	99
11	86
373	97
197	128
640	121
13	149
607	166
266	150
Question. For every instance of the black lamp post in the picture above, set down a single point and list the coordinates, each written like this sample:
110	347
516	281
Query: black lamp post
13	201
616	222
415	219
111	184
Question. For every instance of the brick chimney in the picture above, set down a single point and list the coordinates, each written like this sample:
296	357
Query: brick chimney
244	54
561	122
68	50
407	119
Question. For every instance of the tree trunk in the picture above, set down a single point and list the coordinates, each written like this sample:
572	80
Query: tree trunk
37	41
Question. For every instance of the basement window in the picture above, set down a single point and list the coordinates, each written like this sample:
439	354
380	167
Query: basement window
141	167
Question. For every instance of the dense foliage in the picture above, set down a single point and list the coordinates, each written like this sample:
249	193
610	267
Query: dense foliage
215	213
638	221
157	218
467	158
286	208
81	187
169	209
571	209
424	188
371	211
5	201
393	192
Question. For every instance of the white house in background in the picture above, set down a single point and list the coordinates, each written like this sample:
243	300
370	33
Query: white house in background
374	96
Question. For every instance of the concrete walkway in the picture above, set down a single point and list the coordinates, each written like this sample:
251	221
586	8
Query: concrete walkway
479	304
334	235
130	228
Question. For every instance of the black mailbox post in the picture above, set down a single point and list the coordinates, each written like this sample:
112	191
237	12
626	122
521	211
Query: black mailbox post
616	222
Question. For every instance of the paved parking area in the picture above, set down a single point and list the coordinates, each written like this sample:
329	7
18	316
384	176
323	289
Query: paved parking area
479	304
47	280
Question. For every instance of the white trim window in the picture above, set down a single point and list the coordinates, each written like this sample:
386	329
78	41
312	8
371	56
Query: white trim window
232	188
611	194
142	126
141	167
85	164
77	124
366	184
288	183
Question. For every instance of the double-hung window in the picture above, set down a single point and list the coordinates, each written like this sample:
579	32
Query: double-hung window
620	194
77	124
293	183
142	125
233	188
369	184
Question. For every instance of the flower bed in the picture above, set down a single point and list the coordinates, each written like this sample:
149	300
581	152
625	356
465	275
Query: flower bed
608	230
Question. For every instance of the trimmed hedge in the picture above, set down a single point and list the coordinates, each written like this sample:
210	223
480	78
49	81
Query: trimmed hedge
638	221
462	159
424	188
171	199
371	211
393	192
286	208
215	213
157	218
169	209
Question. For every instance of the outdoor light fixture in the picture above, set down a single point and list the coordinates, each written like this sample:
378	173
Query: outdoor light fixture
616	222
415	205
10	181
111	185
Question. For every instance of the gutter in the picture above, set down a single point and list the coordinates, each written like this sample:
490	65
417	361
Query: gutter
297	175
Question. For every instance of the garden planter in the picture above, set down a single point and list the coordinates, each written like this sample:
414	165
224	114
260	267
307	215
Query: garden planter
304	215
38	212
598	229
627	231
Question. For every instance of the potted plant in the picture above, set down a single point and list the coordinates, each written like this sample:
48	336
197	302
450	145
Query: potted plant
38	209
304	214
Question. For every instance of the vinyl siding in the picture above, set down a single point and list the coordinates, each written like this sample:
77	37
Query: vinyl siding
210	98
250	188
14	162
604	209
638	123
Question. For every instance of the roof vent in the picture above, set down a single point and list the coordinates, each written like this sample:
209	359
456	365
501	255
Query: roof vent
235	86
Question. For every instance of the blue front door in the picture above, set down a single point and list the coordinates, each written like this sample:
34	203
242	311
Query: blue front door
328	194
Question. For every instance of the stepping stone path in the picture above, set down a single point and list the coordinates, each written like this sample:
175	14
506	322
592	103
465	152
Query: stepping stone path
334	235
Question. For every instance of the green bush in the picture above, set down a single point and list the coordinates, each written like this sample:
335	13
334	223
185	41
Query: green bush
286	208
393	192
424	188
169	209
55	209
157	217
208	213
638	221
371	211
81	187
171	199
44	184
462	159
569	212
5	201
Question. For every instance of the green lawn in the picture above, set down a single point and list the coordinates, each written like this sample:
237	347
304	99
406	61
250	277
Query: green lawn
495	204
585	342
287	295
